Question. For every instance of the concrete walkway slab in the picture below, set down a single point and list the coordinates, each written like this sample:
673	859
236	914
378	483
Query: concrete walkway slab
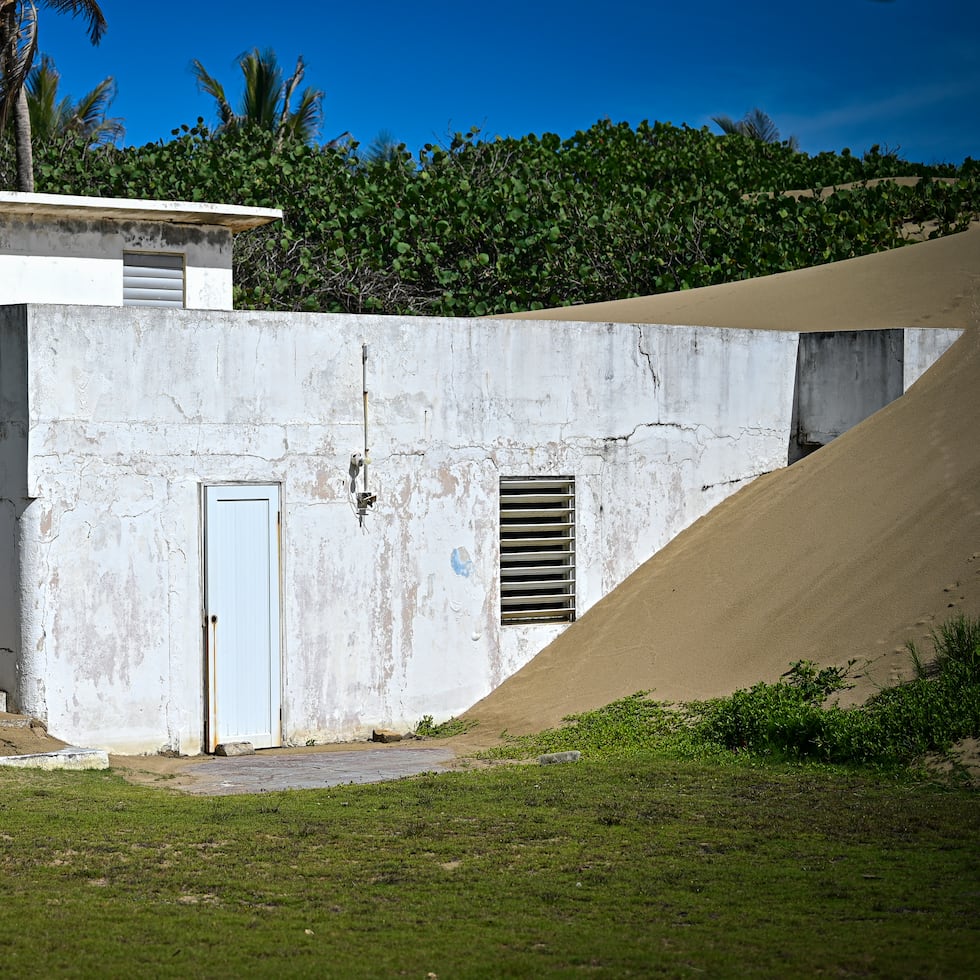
67	758
263	773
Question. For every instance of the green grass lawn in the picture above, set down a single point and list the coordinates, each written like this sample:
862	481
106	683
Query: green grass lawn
637	865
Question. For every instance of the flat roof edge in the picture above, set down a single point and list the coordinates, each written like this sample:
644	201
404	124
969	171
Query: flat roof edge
232	216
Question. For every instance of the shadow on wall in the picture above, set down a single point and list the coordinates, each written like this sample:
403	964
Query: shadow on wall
13	489
841	379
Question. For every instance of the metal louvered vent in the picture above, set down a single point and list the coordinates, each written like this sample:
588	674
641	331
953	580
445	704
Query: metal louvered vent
153	279
537	549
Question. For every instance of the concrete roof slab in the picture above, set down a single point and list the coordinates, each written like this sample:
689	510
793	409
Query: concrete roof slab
231	216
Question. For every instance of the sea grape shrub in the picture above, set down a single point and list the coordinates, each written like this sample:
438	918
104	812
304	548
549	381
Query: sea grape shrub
496	226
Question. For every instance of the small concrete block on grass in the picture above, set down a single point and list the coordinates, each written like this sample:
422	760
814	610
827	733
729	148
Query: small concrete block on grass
385	735
555	758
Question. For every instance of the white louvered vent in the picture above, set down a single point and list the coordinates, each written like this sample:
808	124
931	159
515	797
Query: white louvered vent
153	279
537	549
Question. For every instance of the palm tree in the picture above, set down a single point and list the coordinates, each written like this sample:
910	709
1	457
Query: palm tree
267	99
52	116
18	46
384	148
756	125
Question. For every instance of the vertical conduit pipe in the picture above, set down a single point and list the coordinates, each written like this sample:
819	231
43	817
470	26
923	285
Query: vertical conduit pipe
364	357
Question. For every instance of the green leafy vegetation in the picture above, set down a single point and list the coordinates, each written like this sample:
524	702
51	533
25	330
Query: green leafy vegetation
792	719
498	226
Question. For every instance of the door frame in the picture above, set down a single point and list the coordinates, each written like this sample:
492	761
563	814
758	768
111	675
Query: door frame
209	688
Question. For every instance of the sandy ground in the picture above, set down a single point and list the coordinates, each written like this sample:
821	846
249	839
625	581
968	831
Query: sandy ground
867	544
30	738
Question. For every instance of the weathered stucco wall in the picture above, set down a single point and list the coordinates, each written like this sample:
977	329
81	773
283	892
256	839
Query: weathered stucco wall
81	260
133	410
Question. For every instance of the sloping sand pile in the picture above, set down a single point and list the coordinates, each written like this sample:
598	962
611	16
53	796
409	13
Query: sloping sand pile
931	284
866	544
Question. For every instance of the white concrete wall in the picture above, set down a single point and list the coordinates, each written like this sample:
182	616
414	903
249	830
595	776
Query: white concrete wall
79	260
923	347
132	410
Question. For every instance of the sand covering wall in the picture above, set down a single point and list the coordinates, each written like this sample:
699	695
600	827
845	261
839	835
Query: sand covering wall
862	546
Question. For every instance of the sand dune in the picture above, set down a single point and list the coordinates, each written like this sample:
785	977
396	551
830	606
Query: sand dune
932	284
860	547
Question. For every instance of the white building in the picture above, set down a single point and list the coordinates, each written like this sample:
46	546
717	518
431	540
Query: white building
96	251
190	549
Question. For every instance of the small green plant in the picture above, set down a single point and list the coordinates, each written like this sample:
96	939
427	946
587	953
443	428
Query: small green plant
940	706
427	728
815	683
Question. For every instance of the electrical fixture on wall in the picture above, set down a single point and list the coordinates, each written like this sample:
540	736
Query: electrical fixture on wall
359	461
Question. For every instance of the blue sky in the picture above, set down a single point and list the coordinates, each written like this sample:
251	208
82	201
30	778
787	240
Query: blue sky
904	74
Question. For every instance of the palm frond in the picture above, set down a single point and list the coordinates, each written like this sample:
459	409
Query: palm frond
88	10
759	126
48	114
384	148
303	123
287	92
756	125
263	88
89	116
726	124
53	116
211	86
266	100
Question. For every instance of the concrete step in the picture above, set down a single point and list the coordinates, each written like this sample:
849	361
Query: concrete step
9	720
69	757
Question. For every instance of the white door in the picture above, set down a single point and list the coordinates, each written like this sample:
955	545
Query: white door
241	608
